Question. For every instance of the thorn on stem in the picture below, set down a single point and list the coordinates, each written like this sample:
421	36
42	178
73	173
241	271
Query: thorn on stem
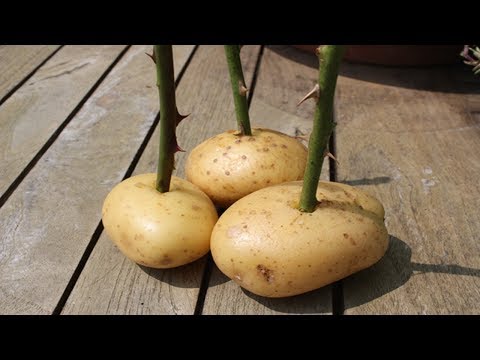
330	155
180	117
314	93
174	145
178	148
152	55
242	89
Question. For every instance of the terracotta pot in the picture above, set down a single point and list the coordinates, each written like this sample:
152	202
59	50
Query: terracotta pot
399	55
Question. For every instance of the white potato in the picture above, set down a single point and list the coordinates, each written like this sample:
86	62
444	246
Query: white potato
228	166
269	247
159	230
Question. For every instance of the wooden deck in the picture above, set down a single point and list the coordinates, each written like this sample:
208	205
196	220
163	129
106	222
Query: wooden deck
76	120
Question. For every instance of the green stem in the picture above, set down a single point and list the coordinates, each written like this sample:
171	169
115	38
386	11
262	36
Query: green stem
330	57
168	115
239	89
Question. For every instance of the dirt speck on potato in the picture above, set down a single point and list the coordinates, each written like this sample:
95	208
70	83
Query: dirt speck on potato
266	273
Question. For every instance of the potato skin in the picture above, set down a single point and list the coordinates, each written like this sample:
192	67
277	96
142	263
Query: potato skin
266	245
228	166
159	230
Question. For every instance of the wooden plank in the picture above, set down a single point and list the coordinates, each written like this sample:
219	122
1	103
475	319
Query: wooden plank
32	114
18	61
411	138
49	220
285	76
110	284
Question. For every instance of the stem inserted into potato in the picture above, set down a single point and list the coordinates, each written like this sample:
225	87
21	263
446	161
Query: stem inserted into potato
330	57
239	88
159	220
168	115
269	246
228	166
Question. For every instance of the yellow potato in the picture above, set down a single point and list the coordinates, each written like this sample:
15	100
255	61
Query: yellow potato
266	245
228	166
159	230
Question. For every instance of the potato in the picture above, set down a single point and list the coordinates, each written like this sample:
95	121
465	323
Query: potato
228	166
269	247
159	230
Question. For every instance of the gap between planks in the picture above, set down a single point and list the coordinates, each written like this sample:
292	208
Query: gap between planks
283	79
209	264
109	283
29	75
98	231
29	166
41	245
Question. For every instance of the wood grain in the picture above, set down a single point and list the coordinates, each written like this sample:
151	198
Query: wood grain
32	114
49	220
18	61
285	76
411	138
110	284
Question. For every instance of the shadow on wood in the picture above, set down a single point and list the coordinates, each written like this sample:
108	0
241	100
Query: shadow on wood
300	304
186	276
391	272
373	181
296	55
450	78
